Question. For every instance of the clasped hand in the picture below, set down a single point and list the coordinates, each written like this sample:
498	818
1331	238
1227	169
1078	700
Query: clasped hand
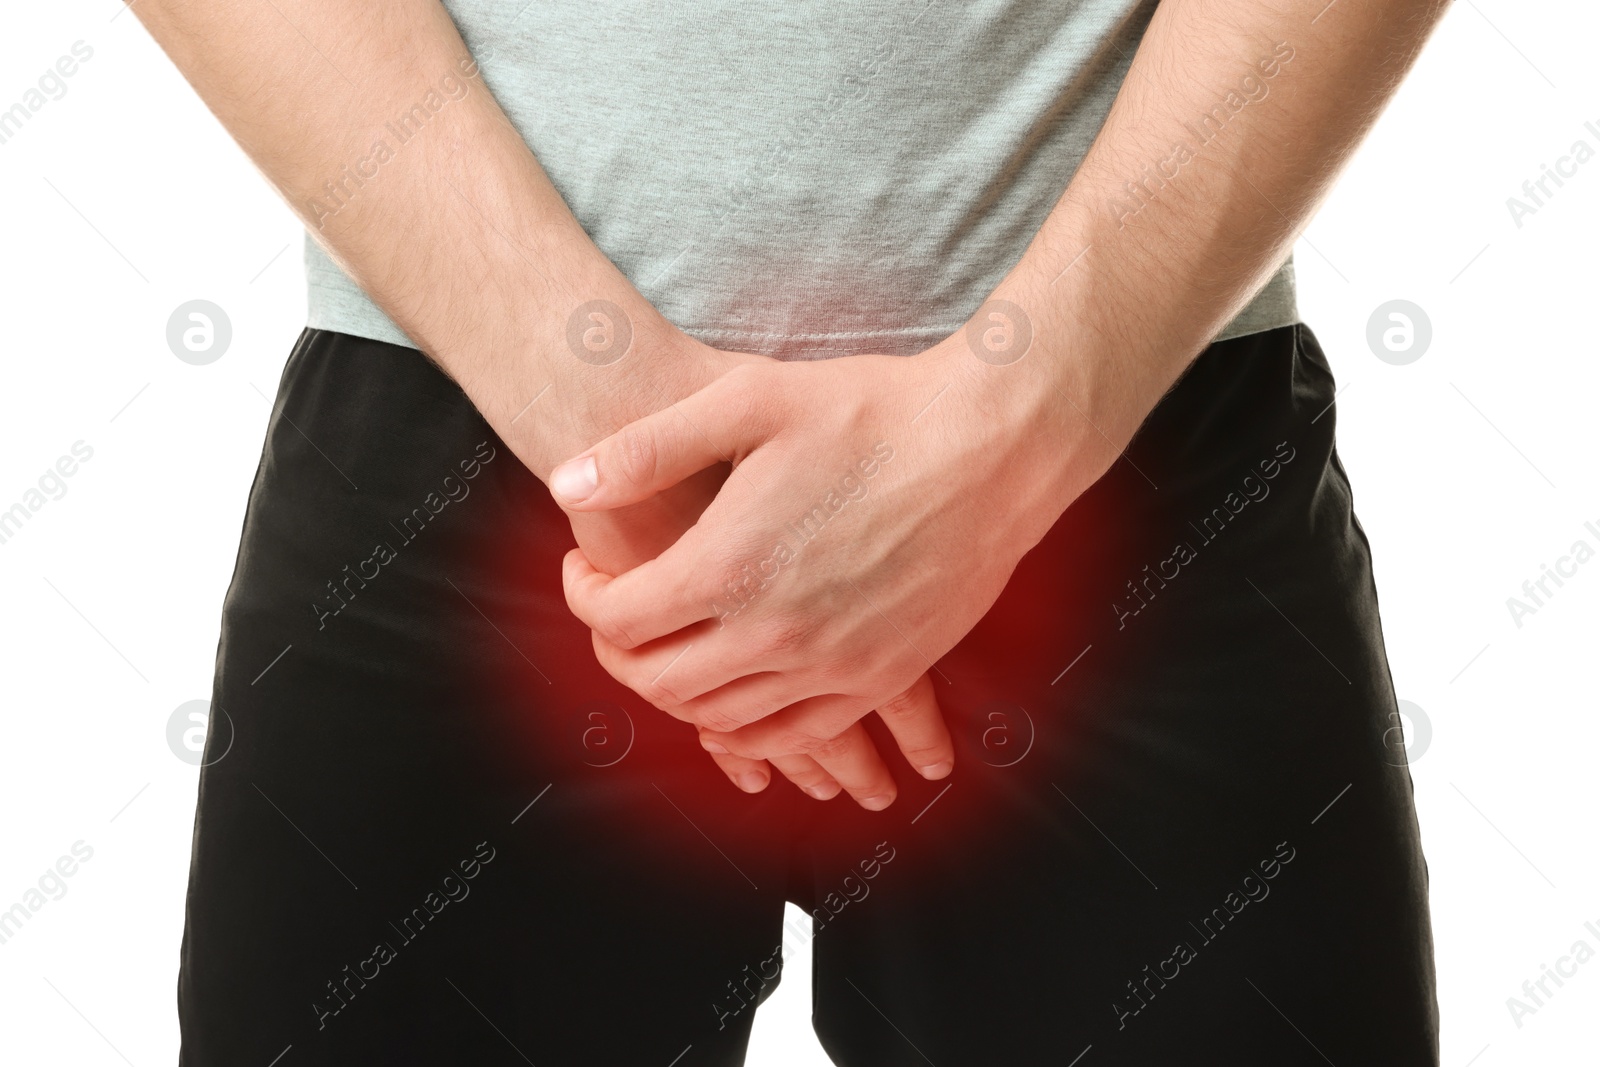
876	508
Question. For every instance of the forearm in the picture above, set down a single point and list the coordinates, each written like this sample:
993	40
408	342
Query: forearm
1233	122
455	232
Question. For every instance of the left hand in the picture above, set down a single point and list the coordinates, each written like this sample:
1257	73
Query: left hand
877	507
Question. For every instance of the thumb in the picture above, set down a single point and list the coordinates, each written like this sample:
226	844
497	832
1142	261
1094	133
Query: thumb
646	457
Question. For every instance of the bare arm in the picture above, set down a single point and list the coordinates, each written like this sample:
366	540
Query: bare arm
456	233
1235	119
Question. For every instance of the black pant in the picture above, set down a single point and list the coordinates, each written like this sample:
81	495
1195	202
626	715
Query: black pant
432	830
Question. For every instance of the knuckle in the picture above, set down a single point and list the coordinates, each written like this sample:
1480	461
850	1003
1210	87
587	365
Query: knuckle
902	708
786	634
635	454
716	721
831	748
658	693
793	743
614	631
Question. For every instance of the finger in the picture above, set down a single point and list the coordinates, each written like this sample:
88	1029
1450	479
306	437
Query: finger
750	775
827	729
694	676
855	764
808	774
919	729
641	605
800	728
717	424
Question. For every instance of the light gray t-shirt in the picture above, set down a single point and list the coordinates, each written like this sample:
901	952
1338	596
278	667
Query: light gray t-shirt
801	178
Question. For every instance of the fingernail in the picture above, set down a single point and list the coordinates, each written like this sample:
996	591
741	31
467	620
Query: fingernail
752	781
823	792
877	803
713	746
937	770
576	479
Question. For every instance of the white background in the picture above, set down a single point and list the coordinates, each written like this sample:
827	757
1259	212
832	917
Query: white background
1473	466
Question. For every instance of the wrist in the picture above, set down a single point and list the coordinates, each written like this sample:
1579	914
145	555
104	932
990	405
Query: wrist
581	373
1059	404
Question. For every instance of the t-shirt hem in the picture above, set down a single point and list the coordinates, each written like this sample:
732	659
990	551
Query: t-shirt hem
334	307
